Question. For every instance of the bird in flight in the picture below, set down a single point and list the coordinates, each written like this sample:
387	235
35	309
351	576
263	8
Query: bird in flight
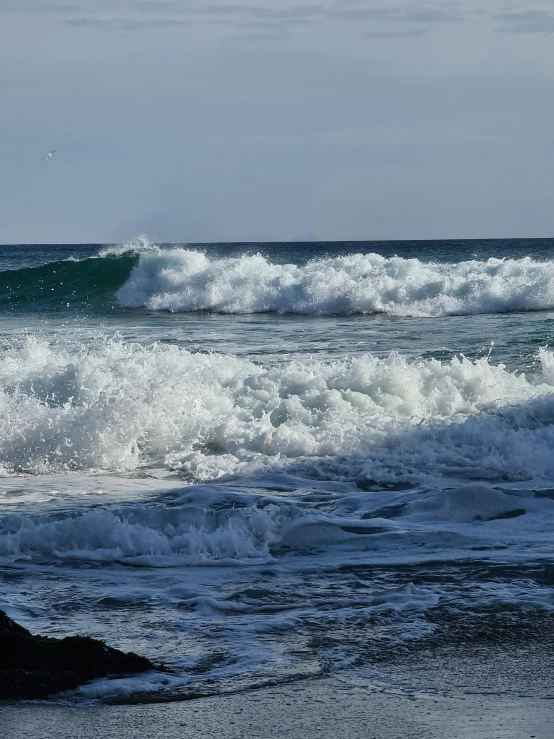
47	157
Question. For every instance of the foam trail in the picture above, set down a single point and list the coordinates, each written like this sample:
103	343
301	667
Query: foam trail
147	535
118	405
231	529
187	280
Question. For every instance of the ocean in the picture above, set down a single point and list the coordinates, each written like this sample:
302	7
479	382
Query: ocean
259	462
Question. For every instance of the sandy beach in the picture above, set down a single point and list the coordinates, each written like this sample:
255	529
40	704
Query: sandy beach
486	693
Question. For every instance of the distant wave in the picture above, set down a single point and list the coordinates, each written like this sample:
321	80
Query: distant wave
184	280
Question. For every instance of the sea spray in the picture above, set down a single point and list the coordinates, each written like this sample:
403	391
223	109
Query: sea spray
188	280
117	405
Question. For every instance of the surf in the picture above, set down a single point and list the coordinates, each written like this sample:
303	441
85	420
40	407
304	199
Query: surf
181	280
116	405
184	280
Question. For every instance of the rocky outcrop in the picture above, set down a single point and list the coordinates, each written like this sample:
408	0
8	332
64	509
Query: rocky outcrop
39	666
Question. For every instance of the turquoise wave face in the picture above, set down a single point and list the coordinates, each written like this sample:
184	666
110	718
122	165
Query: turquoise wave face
87	284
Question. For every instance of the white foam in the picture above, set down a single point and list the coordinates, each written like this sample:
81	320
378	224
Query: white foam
117	406
147	535
187	280
245	529
124	687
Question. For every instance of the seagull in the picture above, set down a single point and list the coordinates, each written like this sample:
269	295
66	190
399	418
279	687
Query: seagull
47	157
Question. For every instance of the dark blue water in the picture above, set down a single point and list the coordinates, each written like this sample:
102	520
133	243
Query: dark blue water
15	256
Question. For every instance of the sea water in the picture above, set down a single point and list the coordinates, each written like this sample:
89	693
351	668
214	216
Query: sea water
253	463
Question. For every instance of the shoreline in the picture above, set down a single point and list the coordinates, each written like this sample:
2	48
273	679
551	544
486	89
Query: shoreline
493	692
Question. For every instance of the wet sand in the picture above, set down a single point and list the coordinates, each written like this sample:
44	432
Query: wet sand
486	693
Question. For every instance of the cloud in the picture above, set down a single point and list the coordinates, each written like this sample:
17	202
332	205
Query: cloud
530	21
273	25
414	33
404	15
252	22
31	7
261	36
123	24
254	11
157	8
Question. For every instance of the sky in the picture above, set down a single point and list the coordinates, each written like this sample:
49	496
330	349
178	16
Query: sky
193	121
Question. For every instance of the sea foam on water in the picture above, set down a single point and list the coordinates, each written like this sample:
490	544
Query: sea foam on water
117	405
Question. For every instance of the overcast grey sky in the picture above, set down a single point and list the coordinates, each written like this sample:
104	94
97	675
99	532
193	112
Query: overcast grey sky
220	121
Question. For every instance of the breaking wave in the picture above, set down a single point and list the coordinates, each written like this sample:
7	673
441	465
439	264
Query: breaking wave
213	525
182	280
118	405
186	280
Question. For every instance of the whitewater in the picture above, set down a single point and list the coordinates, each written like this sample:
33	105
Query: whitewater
185	280
119	406
259	462
142	275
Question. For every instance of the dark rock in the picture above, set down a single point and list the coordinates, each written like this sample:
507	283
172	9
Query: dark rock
39	666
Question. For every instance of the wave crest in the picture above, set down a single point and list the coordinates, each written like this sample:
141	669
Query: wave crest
187	280
141	274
